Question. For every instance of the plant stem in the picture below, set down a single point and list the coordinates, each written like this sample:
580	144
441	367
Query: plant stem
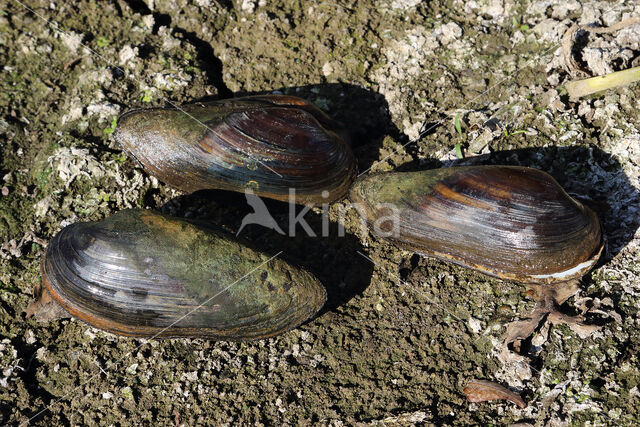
586	87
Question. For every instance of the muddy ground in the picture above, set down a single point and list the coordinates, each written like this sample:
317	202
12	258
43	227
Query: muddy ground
401	335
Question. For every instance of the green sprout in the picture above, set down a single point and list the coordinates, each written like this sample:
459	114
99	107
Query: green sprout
146	97
120	158
515	132
102	41
457	123
112	128
103	197
582	398
43	178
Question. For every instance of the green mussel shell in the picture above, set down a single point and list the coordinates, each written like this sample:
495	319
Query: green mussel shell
511	222
272	144
144	274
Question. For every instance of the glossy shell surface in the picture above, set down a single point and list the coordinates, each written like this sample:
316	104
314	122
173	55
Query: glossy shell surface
139	273
270	144
506	221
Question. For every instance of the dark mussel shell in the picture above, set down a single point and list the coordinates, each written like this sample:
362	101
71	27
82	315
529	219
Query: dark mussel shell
268	143
143	274
511	222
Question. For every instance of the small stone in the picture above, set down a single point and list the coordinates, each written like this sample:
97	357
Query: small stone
475	325
327	69
127	53
148	21
404	4
448	33
190	376
127	392
248	6
30	337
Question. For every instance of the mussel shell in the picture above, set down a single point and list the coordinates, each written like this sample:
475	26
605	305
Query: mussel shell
143	274
506	221
269	143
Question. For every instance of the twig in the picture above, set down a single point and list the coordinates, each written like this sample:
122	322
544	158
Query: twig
579	88
568	40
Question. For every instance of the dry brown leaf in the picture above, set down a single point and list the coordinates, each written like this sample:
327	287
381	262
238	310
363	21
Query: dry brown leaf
522	329
482	391
548	300
575	323
564	290
44	308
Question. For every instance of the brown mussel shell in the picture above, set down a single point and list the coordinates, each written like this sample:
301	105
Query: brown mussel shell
511	222
268	144
144	274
